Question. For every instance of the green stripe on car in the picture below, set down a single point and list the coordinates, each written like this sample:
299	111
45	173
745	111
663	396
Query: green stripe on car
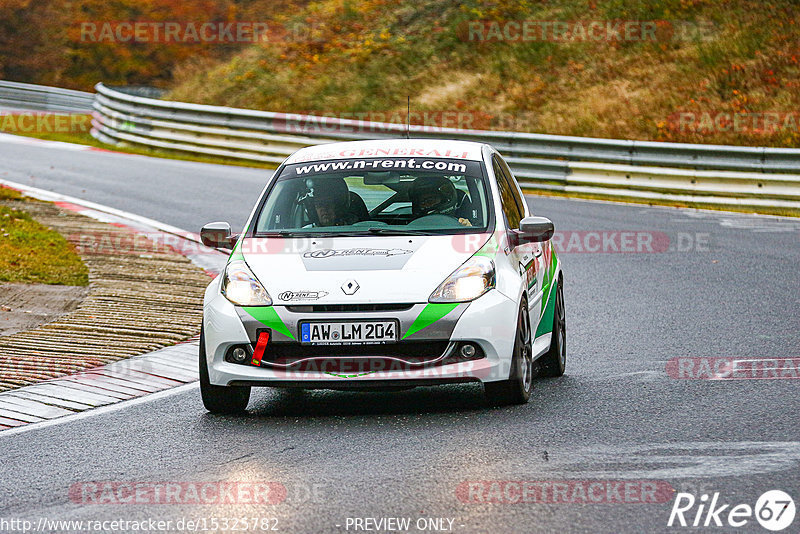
267	316
546	321
429	315
548	303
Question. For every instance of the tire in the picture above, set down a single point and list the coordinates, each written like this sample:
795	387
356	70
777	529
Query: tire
554	361
220	399
517	389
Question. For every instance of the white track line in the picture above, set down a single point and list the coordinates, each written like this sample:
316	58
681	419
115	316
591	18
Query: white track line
50	196
100	410
32	141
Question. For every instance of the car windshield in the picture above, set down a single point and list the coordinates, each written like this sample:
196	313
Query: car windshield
377	196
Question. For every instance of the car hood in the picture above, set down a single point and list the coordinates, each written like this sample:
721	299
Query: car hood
356	270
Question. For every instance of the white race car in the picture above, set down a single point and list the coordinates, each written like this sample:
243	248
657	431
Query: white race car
381	265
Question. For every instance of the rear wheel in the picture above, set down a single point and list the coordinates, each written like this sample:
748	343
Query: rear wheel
517	389
554	362
220	399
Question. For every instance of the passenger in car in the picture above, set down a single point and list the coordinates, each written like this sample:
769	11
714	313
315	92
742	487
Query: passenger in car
436	195
331	203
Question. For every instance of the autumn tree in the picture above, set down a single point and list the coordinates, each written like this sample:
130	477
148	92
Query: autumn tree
76	43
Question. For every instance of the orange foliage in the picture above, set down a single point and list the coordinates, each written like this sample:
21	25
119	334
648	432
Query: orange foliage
56	42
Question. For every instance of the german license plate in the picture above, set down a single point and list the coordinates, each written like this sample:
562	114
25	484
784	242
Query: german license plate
348	333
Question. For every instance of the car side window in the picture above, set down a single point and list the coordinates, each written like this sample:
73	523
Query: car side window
510	206
513	185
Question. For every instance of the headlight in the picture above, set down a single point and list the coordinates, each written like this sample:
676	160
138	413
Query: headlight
468	282
240	286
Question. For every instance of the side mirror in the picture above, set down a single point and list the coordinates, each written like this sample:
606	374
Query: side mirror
218	235
534	230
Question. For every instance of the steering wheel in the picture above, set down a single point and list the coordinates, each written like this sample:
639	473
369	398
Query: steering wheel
436	220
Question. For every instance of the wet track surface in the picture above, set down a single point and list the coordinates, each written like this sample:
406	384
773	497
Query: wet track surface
717	285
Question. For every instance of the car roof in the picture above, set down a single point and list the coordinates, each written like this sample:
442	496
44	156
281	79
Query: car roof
431	148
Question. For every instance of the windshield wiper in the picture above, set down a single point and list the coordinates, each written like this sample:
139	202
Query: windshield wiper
360	233
293	233
337	234
397	231
279	233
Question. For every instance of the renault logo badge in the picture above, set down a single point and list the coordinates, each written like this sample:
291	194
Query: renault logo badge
350	287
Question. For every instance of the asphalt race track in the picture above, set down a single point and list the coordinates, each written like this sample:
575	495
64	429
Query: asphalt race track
715	285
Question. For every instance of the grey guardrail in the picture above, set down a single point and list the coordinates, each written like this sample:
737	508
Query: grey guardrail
714	174
25	96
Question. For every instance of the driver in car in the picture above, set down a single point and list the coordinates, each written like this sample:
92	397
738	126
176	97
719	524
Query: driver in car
330	203
434	195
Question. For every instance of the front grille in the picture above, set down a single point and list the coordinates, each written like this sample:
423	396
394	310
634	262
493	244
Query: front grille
410	351
349	308
357	360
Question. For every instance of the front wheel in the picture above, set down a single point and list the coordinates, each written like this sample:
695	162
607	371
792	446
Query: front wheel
220	399
517	389
554	362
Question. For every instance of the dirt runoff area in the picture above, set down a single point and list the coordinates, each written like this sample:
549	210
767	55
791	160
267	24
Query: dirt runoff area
26	306
135	303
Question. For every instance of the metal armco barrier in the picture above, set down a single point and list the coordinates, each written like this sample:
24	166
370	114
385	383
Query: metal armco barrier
748	177
25	96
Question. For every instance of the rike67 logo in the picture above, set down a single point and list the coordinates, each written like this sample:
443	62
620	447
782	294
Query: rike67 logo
774	510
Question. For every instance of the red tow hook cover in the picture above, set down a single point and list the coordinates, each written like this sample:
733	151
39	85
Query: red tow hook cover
261	345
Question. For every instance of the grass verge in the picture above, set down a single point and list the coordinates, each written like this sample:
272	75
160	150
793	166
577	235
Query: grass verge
32	253
9	194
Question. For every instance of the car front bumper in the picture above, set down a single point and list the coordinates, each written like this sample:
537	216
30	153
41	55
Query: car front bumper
488	322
